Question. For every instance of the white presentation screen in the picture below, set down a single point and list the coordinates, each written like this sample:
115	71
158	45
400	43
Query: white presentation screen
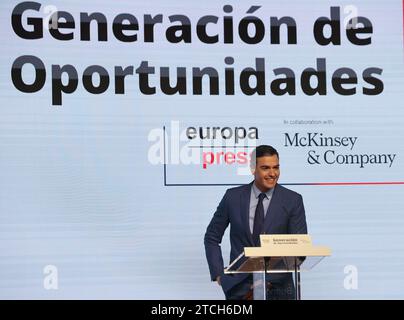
122	123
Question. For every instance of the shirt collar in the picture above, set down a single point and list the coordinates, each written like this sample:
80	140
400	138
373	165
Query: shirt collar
257	191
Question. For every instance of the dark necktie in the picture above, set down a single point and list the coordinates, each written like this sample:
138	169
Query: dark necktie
258	219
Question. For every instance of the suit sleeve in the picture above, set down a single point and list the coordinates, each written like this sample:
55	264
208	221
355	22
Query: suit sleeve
297	220
213	238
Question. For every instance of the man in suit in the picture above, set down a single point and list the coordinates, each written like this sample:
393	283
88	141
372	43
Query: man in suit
260	207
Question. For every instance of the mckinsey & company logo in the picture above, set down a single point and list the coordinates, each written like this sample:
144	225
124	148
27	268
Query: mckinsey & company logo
322	150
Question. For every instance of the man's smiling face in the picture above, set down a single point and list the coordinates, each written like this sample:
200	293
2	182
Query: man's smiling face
267	172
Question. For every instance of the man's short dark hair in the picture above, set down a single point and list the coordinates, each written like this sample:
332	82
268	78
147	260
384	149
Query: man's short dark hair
262	151
265	150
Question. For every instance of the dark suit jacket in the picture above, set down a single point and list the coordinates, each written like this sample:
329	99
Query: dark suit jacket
285	215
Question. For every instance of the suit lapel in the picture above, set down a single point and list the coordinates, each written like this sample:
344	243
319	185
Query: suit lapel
245	210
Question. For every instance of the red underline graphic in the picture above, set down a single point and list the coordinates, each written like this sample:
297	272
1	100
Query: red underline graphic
352	183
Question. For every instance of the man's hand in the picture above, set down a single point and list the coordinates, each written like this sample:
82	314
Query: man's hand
218	281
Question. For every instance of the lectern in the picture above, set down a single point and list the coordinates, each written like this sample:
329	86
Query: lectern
278	253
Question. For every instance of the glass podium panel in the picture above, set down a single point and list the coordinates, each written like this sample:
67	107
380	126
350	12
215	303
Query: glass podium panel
260	266
282	253
274	264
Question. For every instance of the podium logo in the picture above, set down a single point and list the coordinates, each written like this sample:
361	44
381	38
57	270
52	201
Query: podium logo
50	281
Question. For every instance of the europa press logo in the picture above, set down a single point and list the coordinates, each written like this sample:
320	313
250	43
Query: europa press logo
205	148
